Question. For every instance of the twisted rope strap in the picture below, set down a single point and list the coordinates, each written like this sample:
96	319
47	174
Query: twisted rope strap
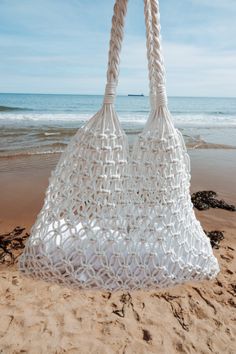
157	82
154	52
149	39
117	34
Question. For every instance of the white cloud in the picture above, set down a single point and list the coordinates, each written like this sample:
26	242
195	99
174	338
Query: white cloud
191	70
225	4
65	48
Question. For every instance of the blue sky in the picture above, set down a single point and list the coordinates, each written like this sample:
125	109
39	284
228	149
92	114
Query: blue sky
60	46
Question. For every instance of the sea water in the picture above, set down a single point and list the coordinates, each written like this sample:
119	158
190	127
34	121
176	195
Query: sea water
41	123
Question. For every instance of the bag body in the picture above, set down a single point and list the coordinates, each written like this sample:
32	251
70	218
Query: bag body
119	220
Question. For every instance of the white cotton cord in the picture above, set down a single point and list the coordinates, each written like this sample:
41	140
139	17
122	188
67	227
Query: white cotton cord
161	96
149	40
154	53
117	34
110	93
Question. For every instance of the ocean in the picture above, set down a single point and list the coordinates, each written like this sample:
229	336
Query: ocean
43	124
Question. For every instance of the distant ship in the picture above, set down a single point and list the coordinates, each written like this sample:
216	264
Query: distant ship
133	95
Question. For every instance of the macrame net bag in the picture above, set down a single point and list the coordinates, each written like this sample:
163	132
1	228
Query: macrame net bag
112	220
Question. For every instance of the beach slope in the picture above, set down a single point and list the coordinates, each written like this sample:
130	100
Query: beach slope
38	317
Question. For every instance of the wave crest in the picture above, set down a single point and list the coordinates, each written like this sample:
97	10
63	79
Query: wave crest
10	109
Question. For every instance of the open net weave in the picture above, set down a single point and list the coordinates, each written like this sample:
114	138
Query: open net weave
115	221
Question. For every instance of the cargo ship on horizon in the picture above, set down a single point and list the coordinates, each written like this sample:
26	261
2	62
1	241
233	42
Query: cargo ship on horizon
135	95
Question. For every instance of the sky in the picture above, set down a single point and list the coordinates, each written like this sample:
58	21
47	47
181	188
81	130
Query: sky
61	46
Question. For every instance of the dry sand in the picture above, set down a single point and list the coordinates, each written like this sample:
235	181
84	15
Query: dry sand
37	317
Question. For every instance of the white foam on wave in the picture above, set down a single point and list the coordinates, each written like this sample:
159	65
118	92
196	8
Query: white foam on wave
21	153
204	120
45	117
53	118
139	118
49	134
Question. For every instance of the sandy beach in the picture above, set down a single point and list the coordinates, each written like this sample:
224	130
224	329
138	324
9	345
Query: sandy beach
44	318
113	219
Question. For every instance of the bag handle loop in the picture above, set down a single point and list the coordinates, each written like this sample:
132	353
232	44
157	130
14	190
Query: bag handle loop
158	96
157	82
117	34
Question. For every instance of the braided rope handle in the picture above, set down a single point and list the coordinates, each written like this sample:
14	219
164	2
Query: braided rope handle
149	38
157	83
154	52
117	34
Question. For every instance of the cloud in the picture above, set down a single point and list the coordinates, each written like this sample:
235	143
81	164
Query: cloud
226	4
197	71
61	46
191	70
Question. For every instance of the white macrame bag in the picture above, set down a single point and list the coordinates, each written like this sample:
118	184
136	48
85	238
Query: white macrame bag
114	220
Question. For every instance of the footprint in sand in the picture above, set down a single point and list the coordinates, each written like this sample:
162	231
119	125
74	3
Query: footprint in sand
228	257
180	349
147	337
196	309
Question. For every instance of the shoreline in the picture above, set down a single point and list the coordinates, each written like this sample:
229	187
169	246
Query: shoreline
56	141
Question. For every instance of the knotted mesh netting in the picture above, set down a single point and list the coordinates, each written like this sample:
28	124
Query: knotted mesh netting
119	220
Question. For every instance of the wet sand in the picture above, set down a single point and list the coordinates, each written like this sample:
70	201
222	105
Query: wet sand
23	182
43	318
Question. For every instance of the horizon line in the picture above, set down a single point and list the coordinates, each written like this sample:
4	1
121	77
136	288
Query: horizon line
99	94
